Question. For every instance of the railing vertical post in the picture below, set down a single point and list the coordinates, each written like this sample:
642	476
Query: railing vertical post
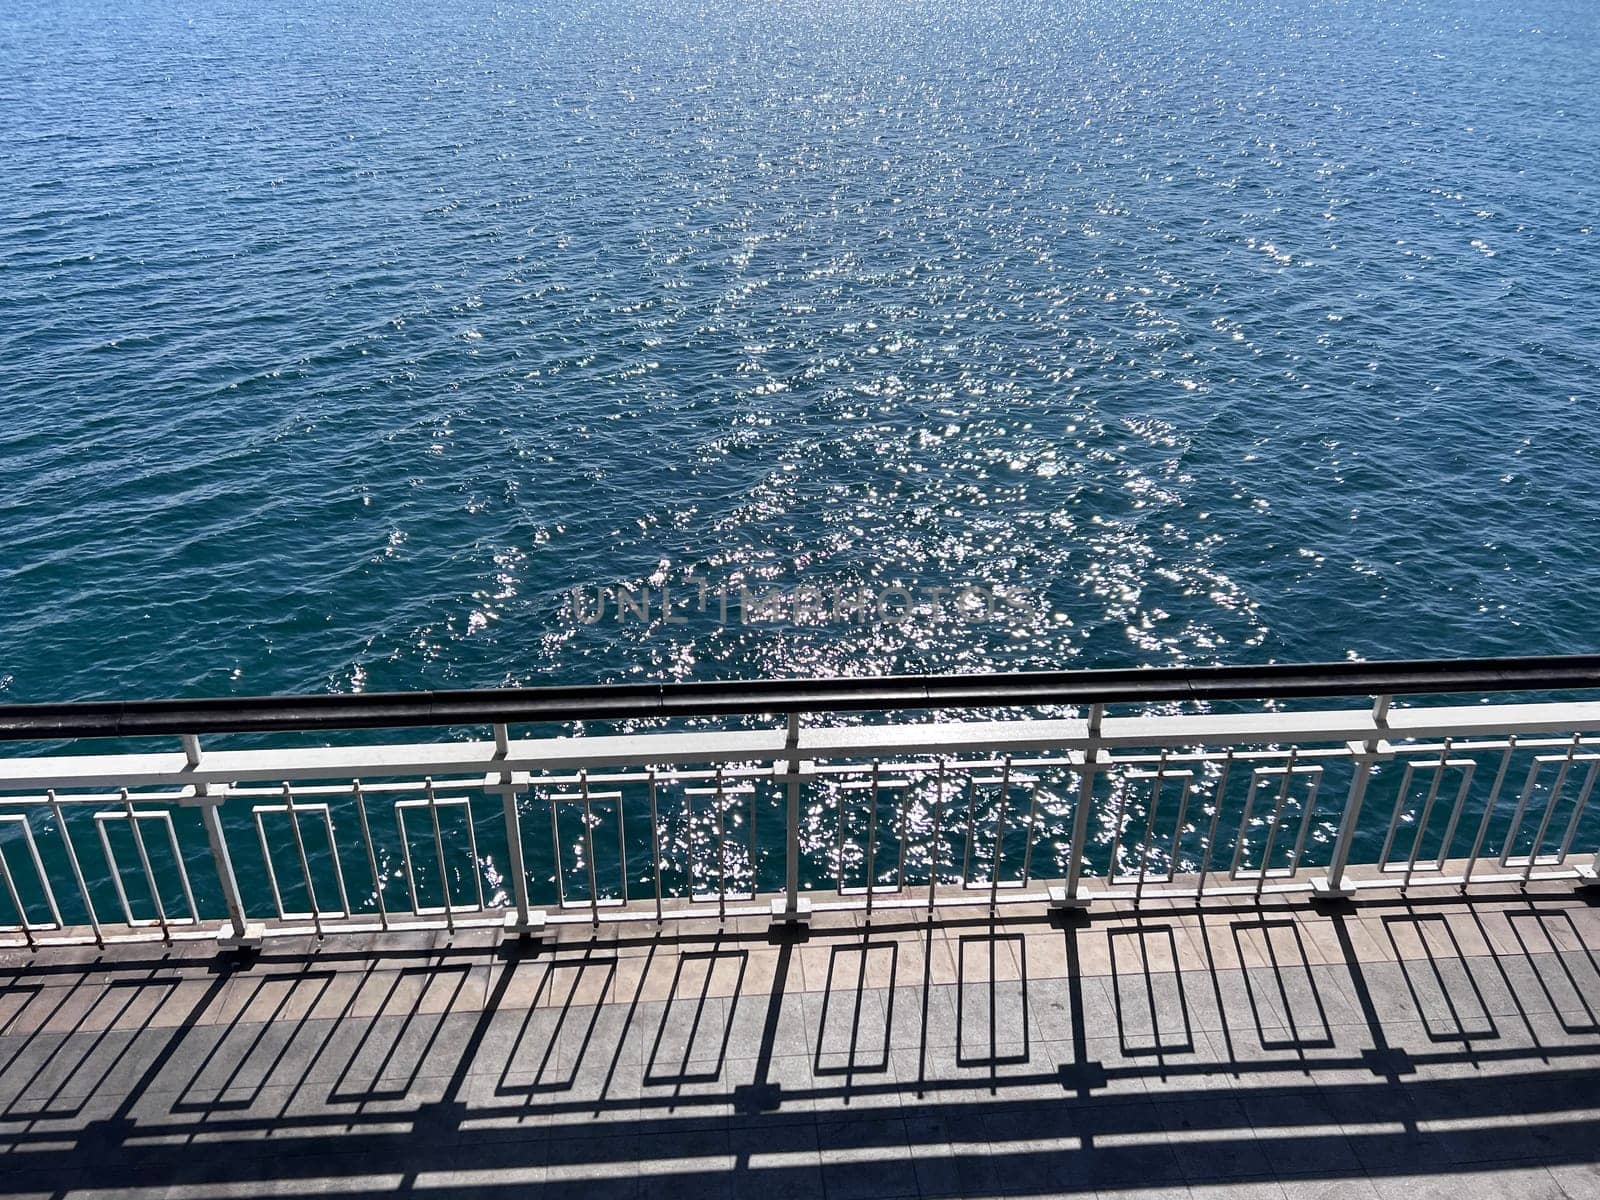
791	909
305	861
524	920
933	839
655	843
1365	754
239	933
438	850
77	870
372	853
1067	897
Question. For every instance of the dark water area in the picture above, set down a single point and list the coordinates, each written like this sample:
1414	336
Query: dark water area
340	342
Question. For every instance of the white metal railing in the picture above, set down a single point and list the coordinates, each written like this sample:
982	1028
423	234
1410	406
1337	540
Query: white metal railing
1161	799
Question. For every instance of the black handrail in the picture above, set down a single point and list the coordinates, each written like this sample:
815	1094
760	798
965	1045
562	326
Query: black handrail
1028	689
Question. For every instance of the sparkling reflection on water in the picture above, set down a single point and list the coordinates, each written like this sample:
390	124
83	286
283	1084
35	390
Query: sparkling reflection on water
341	341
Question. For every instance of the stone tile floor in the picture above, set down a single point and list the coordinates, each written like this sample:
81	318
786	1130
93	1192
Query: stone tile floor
1439	1046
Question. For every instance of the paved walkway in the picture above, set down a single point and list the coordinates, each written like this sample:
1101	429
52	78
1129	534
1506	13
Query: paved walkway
1437	1048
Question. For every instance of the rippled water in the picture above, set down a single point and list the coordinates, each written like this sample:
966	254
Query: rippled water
339	341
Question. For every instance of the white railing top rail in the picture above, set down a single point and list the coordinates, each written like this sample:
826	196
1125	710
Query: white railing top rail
821	742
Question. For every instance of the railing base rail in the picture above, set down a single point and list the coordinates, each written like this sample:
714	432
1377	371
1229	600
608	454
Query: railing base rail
950	904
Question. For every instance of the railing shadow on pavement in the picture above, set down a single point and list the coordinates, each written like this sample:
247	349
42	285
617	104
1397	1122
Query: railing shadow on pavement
577	1071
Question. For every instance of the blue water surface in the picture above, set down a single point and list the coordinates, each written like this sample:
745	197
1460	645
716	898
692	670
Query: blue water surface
339	341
